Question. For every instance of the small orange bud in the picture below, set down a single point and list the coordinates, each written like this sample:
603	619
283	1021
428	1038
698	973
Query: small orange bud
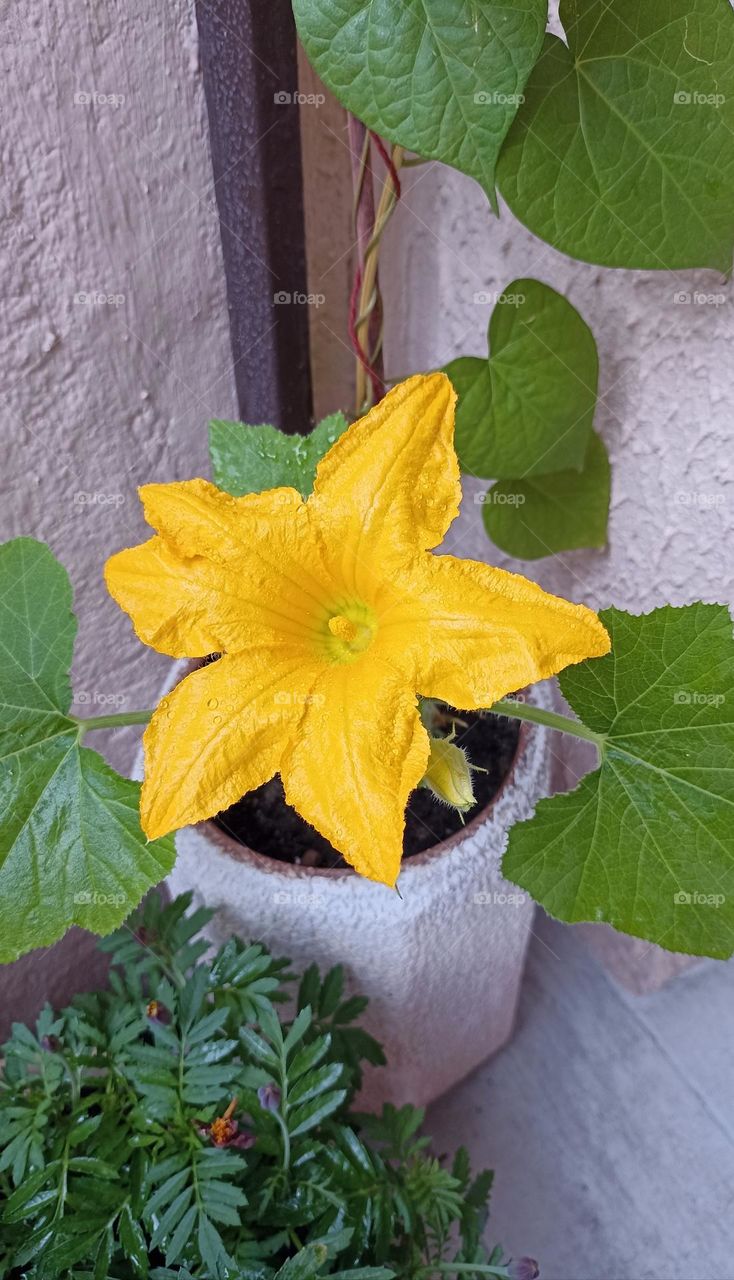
222	1131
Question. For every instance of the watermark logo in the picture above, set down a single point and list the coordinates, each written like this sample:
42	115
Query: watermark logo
697	498
303	899
285	99
699	299
485	298
96	298
487	698
695	698
496	99
696	899
495	898
497	497
285	698
93	898
682	98
95	99
284	299
83	499
96	698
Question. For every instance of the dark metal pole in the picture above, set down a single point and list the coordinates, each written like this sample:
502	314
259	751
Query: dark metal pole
250	69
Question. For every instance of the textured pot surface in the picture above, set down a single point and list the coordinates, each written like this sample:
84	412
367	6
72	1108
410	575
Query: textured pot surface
441	965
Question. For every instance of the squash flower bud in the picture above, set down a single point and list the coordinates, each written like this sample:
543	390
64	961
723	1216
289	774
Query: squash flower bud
448	775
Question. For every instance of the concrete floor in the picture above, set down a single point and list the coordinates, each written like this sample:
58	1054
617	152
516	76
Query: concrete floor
609	1121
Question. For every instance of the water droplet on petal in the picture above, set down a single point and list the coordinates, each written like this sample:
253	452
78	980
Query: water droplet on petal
212	703
217	719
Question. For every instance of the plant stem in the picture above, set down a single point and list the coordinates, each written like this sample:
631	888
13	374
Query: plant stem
368	318
551	720
363	214
64	1182
505	707
286	1142
367	301
115	721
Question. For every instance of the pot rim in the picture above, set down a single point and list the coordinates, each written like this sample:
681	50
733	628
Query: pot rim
239	852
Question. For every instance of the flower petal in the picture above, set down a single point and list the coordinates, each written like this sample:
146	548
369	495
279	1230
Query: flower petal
174	604
359	753
392	479
268	537
198	519
249	570
481	633
221	733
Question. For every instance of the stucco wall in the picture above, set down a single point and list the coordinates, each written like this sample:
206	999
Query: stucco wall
666	406
114	342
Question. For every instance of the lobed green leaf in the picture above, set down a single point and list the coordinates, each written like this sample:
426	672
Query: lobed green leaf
71	847
546	514
443	78
528	409
646	841
622	151
249	459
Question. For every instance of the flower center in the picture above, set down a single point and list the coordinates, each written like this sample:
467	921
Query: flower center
343	628
351	631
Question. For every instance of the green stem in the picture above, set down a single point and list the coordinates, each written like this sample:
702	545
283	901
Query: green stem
64	1183
286	1142
74	1080
505	707
551	720
115	721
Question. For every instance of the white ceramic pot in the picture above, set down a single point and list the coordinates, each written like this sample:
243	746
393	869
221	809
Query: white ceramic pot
441	965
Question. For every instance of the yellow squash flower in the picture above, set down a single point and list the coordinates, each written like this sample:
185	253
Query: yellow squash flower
331	616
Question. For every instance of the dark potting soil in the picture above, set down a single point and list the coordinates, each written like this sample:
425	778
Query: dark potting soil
264	822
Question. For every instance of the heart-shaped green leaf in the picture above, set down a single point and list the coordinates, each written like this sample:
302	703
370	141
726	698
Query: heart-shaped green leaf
623	151
251	459
646	841
529	408
71	847
539	517
443	78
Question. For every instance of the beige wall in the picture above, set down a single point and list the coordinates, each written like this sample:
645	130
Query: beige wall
106	194
666	386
